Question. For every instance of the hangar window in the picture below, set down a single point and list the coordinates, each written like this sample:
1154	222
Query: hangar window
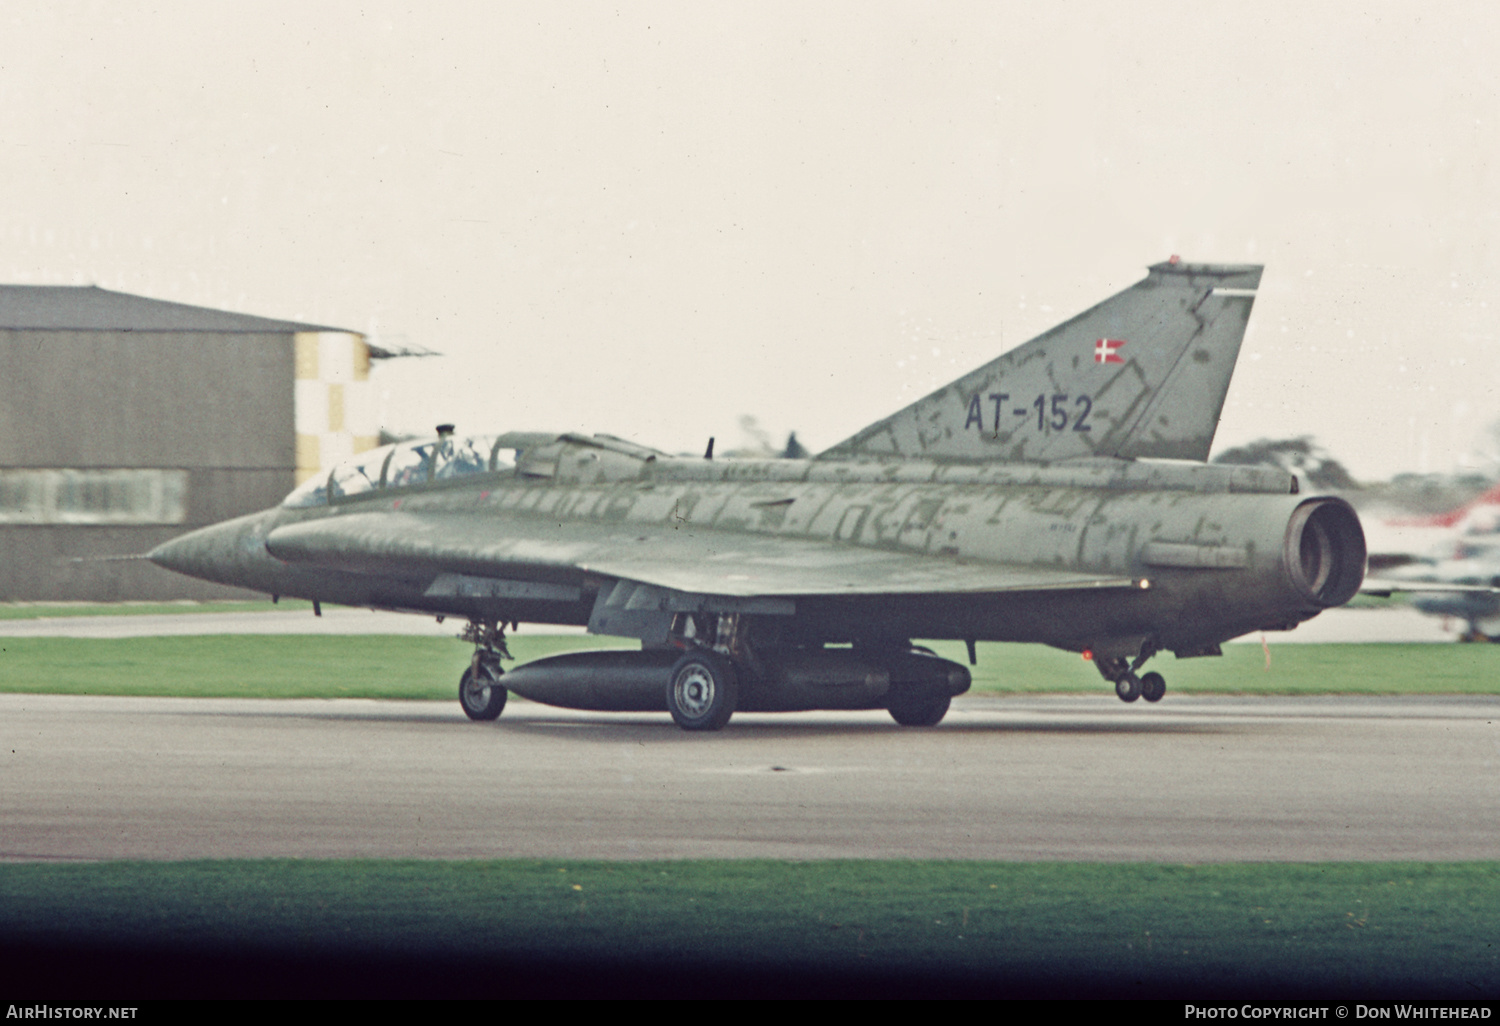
114	496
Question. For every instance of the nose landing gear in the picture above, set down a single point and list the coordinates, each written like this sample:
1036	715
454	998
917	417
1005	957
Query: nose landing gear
479	690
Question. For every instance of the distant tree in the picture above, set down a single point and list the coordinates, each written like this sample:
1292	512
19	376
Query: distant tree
794	450
1301	456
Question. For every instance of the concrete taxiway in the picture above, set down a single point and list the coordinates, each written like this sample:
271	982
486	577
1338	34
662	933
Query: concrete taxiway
1075	777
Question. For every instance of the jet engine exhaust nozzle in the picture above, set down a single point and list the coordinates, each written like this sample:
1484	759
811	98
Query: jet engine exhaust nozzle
1325	551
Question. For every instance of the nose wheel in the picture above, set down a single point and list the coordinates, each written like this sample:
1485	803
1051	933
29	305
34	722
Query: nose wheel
481	694
479	689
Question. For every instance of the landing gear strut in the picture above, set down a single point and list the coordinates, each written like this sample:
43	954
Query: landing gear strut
479	690
1121	672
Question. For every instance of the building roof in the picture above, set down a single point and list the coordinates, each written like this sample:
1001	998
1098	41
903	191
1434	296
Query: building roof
90	308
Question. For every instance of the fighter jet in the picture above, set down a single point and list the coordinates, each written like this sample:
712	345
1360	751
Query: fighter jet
1429	538
1475	570
1460	580
1056	494
1456	575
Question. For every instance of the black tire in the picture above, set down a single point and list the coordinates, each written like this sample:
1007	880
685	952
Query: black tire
1153	686
1128	688
702	691
919	708
483	699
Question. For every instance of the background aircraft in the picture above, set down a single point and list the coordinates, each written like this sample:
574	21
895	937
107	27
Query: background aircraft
1466	585
1459	574
1433	537
1450	560
1056	494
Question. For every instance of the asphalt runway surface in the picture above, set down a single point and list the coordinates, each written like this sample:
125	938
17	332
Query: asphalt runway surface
1193	779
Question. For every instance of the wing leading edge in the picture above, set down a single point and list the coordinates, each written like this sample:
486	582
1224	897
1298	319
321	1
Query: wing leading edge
708	562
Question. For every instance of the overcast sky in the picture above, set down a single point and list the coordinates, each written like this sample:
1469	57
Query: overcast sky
653	219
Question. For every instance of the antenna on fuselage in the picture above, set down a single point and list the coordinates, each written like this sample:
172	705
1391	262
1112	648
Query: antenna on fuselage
708	453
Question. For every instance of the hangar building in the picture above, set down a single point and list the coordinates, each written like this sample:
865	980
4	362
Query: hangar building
125	421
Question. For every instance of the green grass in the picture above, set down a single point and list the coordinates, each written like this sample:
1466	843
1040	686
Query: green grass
256	665
1295	669
707	928
46	610
385	666
1379	601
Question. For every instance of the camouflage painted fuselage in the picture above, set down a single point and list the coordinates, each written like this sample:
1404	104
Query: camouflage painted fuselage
1051	495
1121	551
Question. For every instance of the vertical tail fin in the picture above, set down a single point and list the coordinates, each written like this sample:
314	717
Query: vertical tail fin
1144	373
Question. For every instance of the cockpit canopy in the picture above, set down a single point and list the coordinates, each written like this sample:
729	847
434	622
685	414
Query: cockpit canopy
405	464
525	454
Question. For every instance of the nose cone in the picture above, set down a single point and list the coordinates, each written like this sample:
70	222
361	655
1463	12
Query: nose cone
184	555
233	552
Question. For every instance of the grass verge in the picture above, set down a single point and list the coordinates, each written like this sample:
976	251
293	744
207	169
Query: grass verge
385	666
48	610
726	928
1382	668
255	665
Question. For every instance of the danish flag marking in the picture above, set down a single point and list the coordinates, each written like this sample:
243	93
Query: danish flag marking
1106	351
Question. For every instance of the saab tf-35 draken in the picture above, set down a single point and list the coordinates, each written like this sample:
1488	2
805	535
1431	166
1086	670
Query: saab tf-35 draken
1057	494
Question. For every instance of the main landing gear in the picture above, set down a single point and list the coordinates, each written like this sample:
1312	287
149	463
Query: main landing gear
704	686
702	691
479	690
1128	687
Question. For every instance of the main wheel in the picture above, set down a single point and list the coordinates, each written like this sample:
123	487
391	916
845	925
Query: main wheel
482	697
1128	688
1153	686
919	708
702	691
